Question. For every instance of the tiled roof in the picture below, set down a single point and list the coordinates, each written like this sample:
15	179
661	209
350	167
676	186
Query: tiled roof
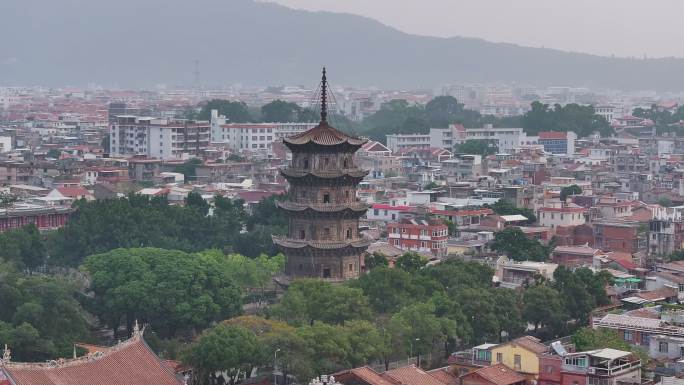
553	135
131	363
499	374
530	343
444	376
325	135
368	375
410	375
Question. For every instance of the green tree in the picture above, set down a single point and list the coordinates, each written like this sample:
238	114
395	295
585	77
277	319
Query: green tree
280	111
375	260
235	112
665	201
195	200
388	289
518	246
505	207
570	190
477	147
590	339
310	300
479	310
24	247
543	307
508	304
7	199
581	120
421	328
171	289
223	348
410	262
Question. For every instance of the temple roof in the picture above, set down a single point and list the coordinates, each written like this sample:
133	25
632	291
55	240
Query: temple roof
326	174
324	135
129	363
324	208
328	245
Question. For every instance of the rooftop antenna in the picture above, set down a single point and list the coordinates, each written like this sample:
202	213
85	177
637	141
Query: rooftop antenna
324	103
196	75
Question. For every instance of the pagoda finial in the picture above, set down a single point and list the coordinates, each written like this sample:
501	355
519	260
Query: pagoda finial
6	355
324	102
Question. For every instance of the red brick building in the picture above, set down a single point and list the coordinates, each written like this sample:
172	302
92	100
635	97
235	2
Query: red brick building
45	218
625	236
419	236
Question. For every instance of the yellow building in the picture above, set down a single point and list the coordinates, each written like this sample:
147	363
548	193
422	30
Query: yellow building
521	355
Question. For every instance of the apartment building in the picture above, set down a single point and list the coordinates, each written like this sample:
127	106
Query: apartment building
399	142
419	236
560	143
158	137
505	138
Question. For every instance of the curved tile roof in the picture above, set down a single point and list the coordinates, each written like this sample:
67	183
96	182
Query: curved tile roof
325	135
301	243
327	208
129	363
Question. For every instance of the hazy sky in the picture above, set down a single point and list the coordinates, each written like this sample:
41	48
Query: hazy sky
604	27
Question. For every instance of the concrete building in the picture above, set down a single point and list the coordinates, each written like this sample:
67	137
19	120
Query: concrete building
419	236
560	143
506	139
252	136
398	142
158	138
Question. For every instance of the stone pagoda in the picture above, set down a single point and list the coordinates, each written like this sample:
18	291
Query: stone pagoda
323	239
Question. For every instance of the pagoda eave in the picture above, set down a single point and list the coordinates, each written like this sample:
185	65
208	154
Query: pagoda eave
289	243
357	207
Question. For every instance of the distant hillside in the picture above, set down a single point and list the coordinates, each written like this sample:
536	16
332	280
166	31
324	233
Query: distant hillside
140	43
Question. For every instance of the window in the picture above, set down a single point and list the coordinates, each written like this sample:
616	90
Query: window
346	194
326	233
326	198
376	212
662	347
628	335
580	361
303	194
517	362
499	357
351	267
349	234
344	163
423	244
302	234
326	273
305	164
326	161
301	267
549	369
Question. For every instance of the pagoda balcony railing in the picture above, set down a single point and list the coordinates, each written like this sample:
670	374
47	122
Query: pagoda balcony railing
300	172
320	244
324	207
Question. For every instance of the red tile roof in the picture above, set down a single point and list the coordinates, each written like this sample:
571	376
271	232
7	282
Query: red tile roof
553	135
324	134
410	375
130	363
444	376
366	374
499	374
73	192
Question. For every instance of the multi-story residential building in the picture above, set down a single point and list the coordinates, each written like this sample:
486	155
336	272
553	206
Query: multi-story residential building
447	137
506	139
601	367
419	236
158	138
398	142
607	112
513	274
462	167
620	235
574	256
558	142
666	231
252	136
566	215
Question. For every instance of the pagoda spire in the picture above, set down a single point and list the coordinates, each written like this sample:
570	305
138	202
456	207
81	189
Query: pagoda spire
324	101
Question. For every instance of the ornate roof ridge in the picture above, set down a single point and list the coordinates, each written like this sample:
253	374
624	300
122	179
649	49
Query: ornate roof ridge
299	243
325	135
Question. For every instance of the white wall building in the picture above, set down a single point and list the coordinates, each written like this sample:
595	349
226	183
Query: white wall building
507	139
5	144
398	142
158	137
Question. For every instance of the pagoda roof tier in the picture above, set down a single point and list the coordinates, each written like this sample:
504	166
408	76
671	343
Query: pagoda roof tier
290	243
323	135
291	172
323	207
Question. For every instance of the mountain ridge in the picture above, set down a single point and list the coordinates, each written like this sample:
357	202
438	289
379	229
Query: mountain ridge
142	43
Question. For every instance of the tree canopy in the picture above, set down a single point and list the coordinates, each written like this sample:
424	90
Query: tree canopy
582	120
518	246
235	112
